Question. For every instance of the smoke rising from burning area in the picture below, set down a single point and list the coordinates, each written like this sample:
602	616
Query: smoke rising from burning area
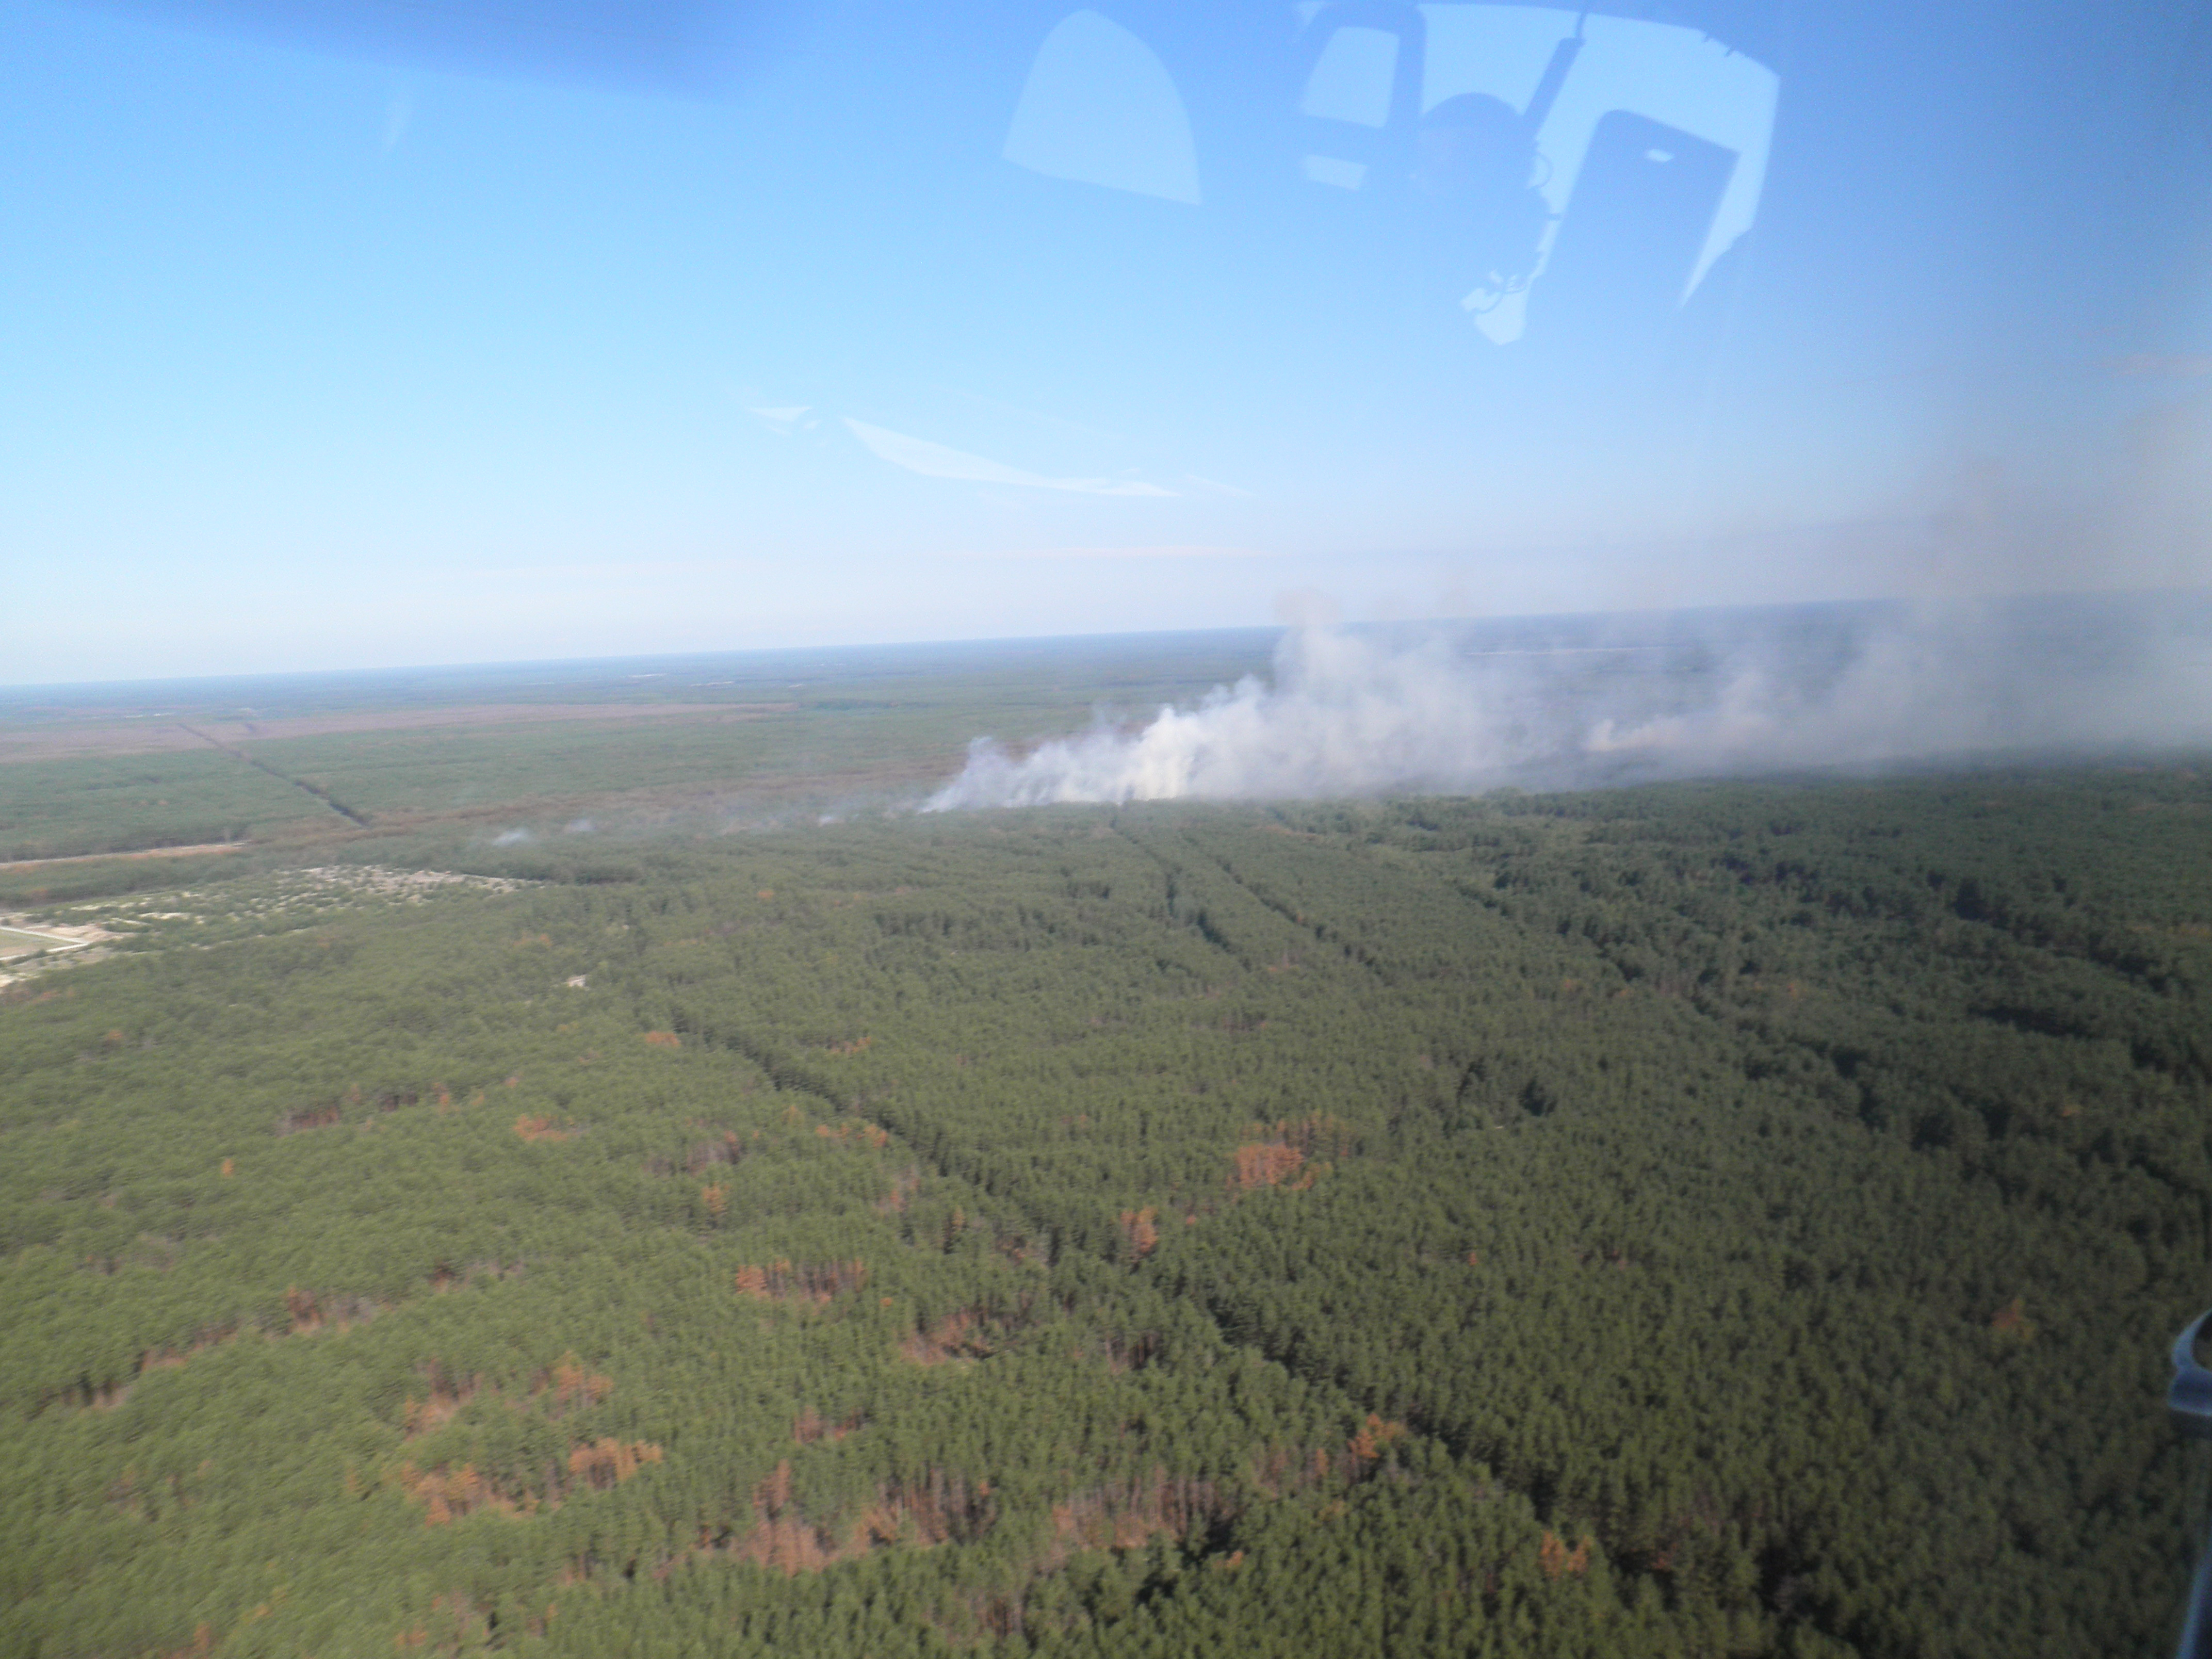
1570	704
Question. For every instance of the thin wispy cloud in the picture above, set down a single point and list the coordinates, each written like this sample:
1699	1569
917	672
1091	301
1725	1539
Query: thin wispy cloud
789	419
1215	487
936	460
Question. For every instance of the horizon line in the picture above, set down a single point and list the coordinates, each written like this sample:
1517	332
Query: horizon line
16	691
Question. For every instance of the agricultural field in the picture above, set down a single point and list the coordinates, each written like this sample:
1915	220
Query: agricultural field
125	804
18	942
1710	1217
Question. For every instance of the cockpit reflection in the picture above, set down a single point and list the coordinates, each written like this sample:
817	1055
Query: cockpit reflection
1100	108
1545	170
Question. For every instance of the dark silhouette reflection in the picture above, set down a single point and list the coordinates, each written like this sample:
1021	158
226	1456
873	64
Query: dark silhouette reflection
1629	245
1570	184
1478	174
1474	169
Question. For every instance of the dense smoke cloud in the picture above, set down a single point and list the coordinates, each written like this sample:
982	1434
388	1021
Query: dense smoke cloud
1564	705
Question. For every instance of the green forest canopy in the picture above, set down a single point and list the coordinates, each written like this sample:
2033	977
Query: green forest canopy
1709	1218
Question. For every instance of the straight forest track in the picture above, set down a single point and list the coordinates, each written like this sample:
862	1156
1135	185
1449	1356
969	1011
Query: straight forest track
1199	923
1320	930
322	795
925	1145
1324	934
932	1146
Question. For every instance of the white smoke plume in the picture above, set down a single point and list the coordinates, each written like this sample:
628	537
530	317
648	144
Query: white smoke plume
1354	713
1345	716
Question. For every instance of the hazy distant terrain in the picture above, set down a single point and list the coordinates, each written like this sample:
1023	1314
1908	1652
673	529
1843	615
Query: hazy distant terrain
700	744
708	743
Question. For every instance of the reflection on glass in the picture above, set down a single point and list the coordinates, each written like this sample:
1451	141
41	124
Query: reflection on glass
1357	69
1716	99
1100	108
1515	105
1334	170
1353	77
1633	242
1475	161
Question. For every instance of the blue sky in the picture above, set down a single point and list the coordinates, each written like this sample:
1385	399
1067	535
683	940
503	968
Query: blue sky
1026	321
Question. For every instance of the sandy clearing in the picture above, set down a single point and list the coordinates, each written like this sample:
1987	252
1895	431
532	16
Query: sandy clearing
171	733
18	938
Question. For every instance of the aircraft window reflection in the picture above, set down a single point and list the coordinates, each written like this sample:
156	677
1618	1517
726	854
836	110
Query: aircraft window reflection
1708	114
1643	144
1100	108
1353	78
1537	171
1335	170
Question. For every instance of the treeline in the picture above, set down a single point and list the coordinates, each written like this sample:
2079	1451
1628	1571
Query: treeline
1701	1220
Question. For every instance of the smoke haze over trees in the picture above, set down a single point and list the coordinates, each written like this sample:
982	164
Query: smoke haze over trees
1584	700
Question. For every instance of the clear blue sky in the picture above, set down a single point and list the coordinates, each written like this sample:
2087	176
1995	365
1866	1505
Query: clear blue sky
409	348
